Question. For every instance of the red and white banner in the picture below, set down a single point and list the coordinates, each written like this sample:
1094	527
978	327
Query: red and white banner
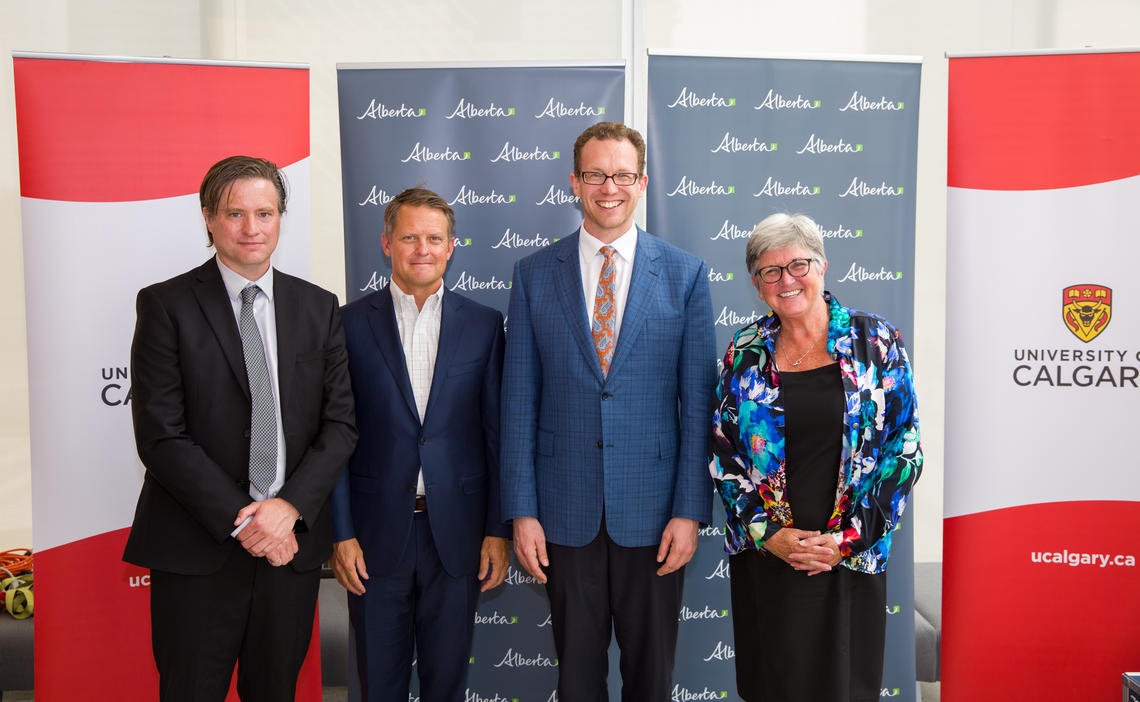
111	156
1042	498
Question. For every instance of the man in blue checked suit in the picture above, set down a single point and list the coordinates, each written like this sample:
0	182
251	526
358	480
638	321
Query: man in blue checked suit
608	388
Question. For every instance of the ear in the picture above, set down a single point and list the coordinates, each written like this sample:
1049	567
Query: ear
386	245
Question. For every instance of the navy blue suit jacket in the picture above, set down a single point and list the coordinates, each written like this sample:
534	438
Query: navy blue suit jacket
633	442
457	444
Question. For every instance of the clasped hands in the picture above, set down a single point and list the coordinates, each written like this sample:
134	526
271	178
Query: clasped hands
805	550
270	530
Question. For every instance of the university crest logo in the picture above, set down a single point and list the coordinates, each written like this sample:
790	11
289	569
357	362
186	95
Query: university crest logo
1086	310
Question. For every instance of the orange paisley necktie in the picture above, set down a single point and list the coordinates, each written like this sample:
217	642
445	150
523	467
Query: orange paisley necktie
604	312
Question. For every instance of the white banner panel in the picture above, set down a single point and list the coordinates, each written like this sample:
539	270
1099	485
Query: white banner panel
111	156
1043	370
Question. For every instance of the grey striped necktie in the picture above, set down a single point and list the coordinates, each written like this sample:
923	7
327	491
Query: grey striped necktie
263	415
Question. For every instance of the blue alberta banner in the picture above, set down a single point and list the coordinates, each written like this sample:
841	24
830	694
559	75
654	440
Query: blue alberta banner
496	142
732	140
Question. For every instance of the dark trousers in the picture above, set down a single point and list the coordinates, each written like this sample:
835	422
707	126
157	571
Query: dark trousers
602	583
248	613
417	607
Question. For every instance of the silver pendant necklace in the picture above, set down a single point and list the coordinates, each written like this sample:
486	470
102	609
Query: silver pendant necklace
800	360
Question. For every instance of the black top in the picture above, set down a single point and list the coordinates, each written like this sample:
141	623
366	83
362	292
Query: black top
813	436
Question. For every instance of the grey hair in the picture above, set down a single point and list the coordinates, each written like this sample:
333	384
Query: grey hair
783	231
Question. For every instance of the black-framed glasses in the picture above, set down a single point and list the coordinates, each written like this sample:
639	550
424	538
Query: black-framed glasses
796	268
596	178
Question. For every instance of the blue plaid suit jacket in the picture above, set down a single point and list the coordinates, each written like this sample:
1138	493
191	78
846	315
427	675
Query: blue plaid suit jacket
631	445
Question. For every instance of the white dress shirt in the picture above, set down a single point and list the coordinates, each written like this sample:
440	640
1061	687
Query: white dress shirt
265	316
419	335
590	261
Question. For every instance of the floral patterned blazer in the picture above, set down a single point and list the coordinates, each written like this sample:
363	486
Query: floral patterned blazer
881	457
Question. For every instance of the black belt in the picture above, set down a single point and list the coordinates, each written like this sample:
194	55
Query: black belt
421	504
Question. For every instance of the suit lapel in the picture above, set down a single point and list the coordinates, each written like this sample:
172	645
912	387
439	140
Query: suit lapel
286	307
386	333
219	313
450	335
642	292
568	279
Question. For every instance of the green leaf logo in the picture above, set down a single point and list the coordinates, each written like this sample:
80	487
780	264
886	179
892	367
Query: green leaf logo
510	198
730	276
471	659
422	112
731	101
818	103
466	155
514	620
898	276
601	110
900	190
858	233
858	147
901	105
557	154
815	190
467	241
510	110
731	189
774	145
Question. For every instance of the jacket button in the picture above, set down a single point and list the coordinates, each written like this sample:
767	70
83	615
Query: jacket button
599	443
423	441
606	395
245	434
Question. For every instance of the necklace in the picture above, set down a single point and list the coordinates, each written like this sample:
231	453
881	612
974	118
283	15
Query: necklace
800	360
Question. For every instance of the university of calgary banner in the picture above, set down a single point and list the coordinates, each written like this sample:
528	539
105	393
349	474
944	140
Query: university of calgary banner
1043	368
111	156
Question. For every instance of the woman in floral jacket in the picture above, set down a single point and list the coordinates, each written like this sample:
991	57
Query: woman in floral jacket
814	450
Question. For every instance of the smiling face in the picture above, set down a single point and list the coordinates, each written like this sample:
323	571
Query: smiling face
420	248
246	226
608	208
791	297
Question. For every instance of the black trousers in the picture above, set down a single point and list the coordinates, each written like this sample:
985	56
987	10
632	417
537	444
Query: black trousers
249	612
600	585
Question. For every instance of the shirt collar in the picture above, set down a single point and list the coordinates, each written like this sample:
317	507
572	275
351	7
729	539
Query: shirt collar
403	301
589	245
235	282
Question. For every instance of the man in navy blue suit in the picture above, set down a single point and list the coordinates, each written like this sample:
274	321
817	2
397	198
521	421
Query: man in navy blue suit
607	398
416	521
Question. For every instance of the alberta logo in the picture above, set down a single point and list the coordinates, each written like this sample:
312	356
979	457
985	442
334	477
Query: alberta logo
1086	310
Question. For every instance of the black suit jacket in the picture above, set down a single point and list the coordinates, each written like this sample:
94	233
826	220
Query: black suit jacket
191	409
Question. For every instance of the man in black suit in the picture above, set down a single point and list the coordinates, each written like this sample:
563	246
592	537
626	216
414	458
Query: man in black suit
243	417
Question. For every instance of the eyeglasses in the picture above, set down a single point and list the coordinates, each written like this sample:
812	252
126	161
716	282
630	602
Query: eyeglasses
796	268
596	178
